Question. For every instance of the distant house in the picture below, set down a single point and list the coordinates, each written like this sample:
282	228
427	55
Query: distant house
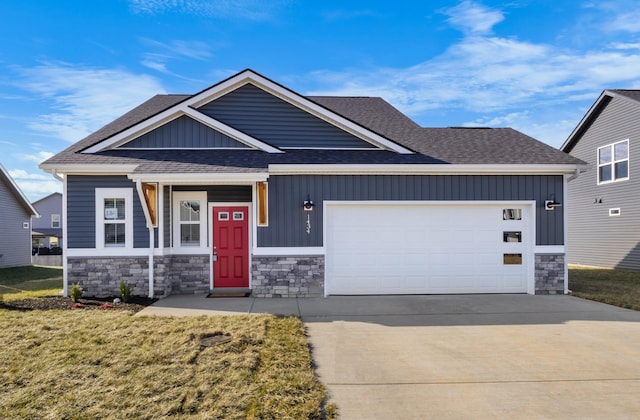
604	203
47	229
15	223
249	185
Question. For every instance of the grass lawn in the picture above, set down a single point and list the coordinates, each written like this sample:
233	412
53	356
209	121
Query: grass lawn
30	281
615	287
103	364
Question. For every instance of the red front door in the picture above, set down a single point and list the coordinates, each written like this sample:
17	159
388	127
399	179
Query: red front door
231	246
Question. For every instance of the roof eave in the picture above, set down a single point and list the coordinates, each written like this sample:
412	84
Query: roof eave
428	169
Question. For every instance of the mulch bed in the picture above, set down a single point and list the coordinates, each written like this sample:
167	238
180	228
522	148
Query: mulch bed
134	304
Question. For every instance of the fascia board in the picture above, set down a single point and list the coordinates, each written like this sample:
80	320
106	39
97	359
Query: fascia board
433	169
298	101
87	169
586	119
208	178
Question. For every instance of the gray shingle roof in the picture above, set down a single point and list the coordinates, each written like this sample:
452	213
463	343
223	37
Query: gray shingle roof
433	145
629	93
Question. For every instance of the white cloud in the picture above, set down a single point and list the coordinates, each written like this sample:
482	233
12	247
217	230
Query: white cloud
473	18
84	99
35	185
197	50
37	189
256	10
21	174
36	157
485	73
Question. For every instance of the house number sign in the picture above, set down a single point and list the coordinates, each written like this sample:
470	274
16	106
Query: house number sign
308	224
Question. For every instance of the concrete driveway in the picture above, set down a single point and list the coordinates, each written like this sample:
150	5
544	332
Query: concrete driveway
461	357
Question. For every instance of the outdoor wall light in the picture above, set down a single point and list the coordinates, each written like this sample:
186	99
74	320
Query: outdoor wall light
551	204
307	204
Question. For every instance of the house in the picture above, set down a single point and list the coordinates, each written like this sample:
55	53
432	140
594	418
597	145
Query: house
47	229
15	226
248	185
603	205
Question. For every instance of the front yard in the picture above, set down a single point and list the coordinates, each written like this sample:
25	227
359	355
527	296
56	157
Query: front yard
615	287
106	363
109	364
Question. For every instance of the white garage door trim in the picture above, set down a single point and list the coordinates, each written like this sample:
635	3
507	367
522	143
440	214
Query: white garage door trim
527	225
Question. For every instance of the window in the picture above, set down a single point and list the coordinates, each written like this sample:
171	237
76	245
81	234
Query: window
114	218
512	236
512	259
613	162
55	221
190	219
511	214
614	212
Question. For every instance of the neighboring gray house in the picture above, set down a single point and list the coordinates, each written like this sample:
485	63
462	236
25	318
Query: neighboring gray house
250	186
47	229
603	204
15	226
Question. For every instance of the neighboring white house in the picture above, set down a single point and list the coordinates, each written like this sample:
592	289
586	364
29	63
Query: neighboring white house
15	223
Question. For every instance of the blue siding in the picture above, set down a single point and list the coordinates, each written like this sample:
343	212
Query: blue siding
184	132
81	210
287	220
15	240
274	121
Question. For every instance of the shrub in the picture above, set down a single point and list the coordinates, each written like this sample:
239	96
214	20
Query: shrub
75	293
125	290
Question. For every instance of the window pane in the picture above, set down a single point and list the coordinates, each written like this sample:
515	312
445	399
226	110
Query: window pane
114	234
190	211
511	214
604	173
622	169
512	259
114	208
512	236
621	150
190	234
604	155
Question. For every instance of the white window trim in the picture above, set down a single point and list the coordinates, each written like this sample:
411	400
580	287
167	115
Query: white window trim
127	194
189	195
52	221
613	162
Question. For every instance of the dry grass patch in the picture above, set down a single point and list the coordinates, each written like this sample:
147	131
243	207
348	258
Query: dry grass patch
58	364
615	287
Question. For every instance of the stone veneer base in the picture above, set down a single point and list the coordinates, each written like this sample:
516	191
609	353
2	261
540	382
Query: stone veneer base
272	276
287	276
177	274
549	274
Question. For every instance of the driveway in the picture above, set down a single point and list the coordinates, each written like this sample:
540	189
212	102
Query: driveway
471	356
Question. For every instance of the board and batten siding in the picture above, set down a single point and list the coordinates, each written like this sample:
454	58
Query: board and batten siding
184	133
81	210
288	220
595	238
15	240
274	121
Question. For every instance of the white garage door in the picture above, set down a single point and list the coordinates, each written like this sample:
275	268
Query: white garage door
414	248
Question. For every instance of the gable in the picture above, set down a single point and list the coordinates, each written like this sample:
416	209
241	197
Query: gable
277	122
184	133
617	119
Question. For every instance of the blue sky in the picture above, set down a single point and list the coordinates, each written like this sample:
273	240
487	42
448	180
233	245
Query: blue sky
69	67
